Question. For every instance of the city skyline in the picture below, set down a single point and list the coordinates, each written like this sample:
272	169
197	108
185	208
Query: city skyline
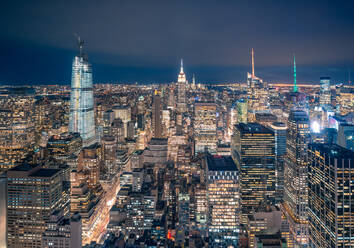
139	42
177	132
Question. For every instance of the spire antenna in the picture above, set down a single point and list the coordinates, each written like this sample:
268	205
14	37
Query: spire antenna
295	86
80	44
252	63
181	65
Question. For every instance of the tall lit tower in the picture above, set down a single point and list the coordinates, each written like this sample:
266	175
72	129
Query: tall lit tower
295	86
325	91
181	83
81	101
295	178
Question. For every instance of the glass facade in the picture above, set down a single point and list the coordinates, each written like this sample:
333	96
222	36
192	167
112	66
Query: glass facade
223	196
253	150
330	189
325	91
81	101
295	177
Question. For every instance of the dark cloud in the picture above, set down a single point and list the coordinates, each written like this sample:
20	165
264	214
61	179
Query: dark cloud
143	40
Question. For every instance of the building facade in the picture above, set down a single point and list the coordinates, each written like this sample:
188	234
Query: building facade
223	197
81	119
330	190
253	150
295	177
33	195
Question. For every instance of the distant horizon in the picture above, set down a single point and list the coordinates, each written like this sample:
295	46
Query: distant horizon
143	41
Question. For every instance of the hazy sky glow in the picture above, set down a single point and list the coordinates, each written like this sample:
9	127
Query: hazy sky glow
130	41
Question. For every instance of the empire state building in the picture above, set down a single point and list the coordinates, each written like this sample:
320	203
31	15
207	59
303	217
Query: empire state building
181	86
81	118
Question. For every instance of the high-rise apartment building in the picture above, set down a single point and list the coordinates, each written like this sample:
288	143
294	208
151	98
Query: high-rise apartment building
17	125
34	193
205	127
295	177
253	150
181	91
330	190
81	118
223	197
325	91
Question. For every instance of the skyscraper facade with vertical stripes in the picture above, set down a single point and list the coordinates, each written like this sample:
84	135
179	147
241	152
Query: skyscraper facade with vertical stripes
81	99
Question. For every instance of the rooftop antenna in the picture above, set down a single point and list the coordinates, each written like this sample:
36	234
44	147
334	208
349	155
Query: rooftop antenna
80	43
252	62
295	86
181	65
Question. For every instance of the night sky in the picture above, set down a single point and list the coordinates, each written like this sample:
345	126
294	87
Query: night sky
129	41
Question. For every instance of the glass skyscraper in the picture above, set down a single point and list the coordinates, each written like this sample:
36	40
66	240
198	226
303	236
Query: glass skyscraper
295	178
81	100
325	91
330	189
253	150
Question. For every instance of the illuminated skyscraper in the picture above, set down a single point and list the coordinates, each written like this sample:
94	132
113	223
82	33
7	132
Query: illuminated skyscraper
330	189
295	177
205	127
241	107
325	91
256	90
181	86
279	129
253	150
34	193
81	118
223	196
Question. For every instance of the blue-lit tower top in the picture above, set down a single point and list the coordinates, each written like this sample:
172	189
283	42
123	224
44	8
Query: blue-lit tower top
81	118
295	86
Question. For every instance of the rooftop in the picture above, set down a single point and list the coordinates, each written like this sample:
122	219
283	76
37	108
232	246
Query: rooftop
253	128
43	172
158	141
23	167
298	115
333	150
221	163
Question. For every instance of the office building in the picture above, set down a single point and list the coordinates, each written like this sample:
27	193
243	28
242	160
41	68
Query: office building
253	150
330	192
64	146
33	195
241	106
295	177
223	197
325	91
81	118
279	130
346	136
205	127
